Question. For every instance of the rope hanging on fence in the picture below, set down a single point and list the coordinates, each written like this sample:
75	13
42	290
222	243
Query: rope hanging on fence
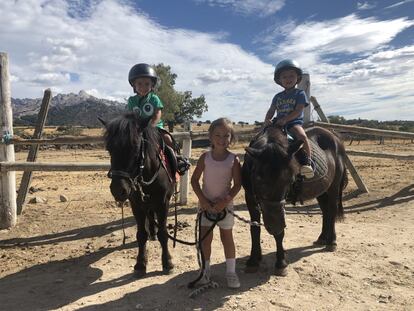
7	137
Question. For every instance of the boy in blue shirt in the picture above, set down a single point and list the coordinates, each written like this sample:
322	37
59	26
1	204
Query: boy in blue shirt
289	105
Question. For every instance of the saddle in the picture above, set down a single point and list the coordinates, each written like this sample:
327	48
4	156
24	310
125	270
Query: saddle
174	162
319	165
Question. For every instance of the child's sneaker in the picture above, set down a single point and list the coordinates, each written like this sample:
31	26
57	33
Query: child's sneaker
232	280
307	171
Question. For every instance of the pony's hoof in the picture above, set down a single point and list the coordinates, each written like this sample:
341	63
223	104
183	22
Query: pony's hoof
281	271
251	269
330	247
320	242
139	273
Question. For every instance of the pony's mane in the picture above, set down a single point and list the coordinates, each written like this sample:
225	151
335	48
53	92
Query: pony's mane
274	144
126	131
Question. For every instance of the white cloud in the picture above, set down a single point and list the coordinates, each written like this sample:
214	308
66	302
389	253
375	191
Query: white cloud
248	7
398	4
348	34
49	45
365	5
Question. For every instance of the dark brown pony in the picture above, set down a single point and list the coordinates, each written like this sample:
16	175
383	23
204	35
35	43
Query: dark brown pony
269	170
139	176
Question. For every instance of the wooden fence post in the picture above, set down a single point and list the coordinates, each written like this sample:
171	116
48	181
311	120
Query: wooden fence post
32	156
185	180
8	215
305	86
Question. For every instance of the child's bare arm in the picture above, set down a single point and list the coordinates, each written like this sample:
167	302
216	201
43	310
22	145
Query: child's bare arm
236	175
156	117
269	115
205	204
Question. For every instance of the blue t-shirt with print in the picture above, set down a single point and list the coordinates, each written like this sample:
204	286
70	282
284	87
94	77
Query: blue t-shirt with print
286	102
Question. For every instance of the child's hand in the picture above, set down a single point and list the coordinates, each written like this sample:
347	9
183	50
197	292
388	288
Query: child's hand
222	204
281	122
206	205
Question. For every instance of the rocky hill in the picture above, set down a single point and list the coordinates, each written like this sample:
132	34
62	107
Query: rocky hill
67	109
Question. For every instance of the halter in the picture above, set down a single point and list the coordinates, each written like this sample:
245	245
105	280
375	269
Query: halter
137	180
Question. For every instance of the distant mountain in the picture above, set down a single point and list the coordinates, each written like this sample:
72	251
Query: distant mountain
67	109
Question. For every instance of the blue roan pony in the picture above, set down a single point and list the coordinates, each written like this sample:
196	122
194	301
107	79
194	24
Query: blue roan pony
138	175
270	169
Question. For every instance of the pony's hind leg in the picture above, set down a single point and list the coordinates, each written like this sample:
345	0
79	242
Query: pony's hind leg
167	265
328	205
252	264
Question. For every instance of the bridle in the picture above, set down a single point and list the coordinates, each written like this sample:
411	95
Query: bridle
136	178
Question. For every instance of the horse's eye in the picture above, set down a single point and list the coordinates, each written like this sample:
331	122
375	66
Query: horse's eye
148	110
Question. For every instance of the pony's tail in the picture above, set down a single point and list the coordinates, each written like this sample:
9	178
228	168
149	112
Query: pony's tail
344	182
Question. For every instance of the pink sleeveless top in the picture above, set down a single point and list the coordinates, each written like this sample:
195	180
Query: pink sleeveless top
217	177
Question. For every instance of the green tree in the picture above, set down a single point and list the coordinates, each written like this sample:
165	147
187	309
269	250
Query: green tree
178	106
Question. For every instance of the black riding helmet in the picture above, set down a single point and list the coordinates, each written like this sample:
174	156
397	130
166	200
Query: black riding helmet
285	65
140	71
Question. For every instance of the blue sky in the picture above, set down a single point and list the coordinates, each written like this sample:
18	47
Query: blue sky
359	54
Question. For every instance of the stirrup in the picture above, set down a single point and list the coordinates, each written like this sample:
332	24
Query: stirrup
183	165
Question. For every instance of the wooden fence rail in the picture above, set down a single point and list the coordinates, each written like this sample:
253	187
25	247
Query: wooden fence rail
364	130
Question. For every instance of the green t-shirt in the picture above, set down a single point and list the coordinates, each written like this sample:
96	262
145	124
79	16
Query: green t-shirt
146	105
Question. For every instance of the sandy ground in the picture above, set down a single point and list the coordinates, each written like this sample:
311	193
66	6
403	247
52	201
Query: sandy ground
69	255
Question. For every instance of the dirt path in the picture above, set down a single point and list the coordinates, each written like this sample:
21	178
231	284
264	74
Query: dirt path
69	255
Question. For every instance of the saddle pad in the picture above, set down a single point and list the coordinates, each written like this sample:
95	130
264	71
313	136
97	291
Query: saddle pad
319	163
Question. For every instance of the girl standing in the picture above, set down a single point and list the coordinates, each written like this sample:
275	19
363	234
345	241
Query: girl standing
221	182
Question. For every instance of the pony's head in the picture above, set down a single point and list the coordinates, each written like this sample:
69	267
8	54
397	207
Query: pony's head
272	168
124	138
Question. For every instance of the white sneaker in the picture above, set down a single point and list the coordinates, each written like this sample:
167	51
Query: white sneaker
307	171
232	280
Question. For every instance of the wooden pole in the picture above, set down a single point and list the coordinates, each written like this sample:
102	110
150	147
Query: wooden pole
32	156
305	86
185	180
8	215
354	173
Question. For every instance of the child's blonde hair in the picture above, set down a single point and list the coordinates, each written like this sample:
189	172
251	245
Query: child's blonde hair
223	122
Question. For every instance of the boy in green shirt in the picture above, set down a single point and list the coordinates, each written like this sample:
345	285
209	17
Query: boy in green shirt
146	103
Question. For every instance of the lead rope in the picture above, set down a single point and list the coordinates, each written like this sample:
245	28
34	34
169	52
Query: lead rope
122	204
201	262
175	215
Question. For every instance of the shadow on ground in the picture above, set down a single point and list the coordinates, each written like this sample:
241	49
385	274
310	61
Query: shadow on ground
59	283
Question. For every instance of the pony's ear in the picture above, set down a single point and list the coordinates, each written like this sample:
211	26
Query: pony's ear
102	121
254	152
294	147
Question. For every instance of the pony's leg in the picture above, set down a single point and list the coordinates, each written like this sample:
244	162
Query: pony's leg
140	268
252	264
167	264
281	264
328	204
